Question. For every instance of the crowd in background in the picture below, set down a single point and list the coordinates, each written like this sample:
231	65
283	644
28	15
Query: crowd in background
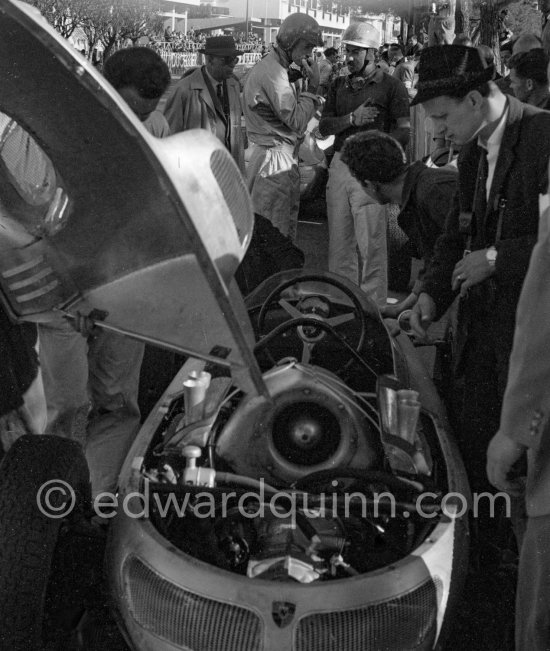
192	41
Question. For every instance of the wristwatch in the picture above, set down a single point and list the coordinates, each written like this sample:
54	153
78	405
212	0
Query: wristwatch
491	255
352	119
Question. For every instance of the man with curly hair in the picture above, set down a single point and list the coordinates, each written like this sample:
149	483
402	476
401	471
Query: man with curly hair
423	193
141	77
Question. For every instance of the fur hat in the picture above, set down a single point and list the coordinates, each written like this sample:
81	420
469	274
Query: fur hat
446	69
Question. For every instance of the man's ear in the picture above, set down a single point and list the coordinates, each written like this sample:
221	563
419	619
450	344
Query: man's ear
530	85
474	98
367	186
370	187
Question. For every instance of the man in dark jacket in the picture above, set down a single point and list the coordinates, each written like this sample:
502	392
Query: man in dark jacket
424	194
529	79
489	234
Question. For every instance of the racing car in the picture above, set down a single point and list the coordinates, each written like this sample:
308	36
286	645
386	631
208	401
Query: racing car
296	487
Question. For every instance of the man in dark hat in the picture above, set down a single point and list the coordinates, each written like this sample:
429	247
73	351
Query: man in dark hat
484	252
209	97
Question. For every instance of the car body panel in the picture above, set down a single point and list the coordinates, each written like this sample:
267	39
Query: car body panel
437	562
152	230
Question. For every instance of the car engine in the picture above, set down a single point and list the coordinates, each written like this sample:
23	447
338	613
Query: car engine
296	488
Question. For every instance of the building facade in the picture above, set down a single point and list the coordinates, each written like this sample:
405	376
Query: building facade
264	17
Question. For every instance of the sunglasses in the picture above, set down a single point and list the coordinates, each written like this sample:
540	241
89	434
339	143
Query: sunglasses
228	60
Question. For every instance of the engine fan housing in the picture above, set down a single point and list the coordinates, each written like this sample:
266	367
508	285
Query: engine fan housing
312	422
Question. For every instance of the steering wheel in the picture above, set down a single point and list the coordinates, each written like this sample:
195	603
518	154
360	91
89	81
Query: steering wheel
311	327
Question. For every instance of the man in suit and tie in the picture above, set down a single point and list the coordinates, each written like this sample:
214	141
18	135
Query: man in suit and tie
209	97
489	235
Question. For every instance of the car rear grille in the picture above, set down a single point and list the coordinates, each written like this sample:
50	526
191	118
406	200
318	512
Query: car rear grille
234	191
403	623
187	619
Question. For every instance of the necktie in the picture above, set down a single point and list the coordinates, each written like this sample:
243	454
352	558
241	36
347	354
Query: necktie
225	108
480	201
481	188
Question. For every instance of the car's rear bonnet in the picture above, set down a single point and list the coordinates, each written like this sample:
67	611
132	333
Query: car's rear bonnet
148	231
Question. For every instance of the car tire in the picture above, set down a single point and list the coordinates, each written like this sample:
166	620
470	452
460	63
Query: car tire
30	539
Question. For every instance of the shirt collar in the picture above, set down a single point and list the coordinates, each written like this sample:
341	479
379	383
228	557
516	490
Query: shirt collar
375	76
495	138
280	56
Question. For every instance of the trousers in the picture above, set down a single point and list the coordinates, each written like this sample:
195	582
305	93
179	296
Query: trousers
274	185
30	418
356	223
533	594
94	379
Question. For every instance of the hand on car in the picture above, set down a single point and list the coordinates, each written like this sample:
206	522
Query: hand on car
393	311
364	115
423	313
502	454
471	270
86	323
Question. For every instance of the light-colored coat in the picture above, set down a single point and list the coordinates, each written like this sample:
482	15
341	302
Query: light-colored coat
526	409
190	106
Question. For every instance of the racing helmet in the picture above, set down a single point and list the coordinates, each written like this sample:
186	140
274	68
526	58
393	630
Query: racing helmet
361	35
299	26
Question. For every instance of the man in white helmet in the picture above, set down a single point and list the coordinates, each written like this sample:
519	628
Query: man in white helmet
367	98
276	119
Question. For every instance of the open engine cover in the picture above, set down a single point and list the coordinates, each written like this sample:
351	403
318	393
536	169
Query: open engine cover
150	231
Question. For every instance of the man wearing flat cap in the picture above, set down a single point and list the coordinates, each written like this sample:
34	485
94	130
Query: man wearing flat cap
209	97
484	252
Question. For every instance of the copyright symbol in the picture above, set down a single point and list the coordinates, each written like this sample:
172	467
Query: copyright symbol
55	498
